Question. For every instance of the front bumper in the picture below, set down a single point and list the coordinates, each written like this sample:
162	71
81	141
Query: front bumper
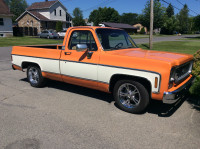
174	96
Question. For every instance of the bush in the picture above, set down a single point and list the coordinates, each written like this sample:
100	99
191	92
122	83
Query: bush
142	31
195	89
59	26
196	66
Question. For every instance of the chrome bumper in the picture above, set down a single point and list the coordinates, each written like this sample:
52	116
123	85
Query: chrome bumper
172	97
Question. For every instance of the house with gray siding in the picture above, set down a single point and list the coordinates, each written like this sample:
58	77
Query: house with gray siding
45	15
5	20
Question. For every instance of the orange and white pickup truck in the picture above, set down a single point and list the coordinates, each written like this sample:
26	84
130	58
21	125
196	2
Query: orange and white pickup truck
107	59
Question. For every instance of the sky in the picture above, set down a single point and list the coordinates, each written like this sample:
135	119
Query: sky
123	6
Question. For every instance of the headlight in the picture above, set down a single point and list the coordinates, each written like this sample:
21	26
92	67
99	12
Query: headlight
172	77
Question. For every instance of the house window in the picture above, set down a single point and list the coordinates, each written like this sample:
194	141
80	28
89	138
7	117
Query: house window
55	12
60	13
31	23
1	21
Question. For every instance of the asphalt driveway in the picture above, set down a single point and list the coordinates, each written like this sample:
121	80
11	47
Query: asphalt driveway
61	116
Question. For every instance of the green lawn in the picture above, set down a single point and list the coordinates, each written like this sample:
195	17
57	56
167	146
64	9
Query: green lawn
17	41
189	47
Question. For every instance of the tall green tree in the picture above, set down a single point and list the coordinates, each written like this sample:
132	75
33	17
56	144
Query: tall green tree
170	21
78	18
197	23
104	15
159	12
129	18
17	7
170	10
183	18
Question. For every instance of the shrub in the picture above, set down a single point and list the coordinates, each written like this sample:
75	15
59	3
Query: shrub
142	31
195	89
59	26
196	66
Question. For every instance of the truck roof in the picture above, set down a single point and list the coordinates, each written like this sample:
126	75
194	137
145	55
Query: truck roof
92	27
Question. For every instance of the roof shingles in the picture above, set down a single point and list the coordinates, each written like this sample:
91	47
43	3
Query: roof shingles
41	5
4	10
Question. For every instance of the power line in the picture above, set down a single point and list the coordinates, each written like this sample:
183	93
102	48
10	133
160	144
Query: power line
171	4
188	7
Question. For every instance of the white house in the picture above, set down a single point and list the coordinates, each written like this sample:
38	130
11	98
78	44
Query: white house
5	20
44	15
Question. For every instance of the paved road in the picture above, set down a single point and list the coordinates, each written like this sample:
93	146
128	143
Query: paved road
61	116
165	38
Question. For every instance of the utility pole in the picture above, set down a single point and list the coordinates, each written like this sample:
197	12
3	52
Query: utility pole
151	26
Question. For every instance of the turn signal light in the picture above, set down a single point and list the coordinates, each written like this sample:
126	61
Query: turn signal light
156	82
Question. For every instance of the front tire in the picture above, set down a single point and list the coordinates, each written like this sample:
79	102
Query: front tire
35	77
131	96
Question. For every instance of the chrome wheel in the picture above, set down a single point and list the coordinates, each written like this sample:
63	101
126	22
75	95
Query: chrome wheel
33	75
129	95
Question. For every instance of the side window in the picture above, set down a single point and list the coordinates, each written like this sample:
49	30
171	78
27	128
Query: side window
82	37
1	21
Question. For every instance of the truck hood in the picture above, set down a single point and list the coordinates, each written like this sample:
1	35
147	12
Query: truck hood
175	58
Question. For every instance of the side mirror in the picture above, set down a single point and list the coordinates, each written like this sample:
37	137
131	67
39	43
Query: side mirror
81	47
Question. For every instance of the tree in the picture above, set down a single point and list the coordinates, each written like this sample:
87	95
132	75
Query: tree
129	18
170	10
17	7
78	18
170	22
104	15
159	12
59	26
169	26
183	18
197	23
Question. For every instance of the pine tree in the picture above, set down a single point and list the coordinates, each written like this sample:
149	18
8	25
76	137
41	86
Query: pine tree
170	10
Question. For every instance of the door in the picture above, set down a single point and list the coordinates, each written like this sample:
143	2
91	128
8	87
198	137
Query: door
75	65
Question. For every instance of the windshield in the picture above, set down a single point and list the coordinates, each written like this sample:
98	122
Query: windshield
114	39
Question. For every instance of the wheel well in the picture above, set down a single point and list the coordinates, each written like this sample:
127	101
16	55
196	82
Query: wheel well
26	64
141	80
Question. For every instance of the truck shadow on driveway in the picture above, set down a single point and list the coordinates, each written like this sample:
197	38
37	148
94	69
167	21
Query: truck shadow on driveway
155	107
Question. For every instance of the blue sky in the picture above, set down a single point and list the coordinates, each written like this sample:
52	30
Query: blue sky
122	6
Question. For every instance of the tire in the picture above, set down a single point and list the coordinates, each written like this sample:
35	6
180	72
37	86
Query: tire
131	96
48	37
35	77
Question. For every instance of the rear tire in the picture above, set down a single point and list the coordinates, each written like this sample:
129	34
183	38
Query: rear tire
131	96
35	77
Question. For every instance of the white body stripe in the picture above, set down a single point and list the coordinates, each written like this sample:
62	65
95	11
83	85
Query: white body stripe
48	65
86	71
105	73
79	70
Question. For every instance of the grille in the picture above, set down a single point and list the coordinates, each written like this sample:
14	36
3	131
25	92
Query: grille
183	71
